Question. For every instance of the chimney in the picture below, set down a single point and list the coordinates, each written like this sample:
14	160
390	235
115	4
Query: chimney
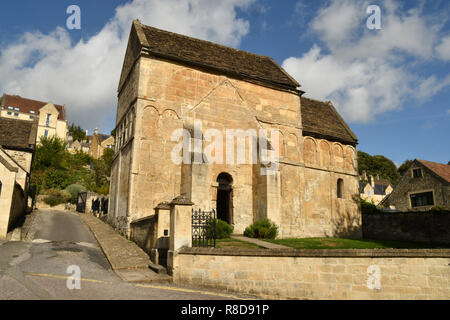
96	131
364	175
372	181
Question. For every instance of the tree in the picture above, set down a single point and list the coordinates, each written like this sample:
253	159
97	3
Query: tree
378	165
77	132
50	152
404	167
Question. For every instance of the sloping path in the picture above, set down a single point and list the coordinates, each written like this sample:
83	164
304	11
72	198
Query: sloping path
129	261
260	243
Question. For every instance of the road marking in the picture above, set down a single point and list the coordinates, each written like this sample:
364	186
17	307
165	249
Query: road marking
192	291
145	286
61	277
87	244
40	241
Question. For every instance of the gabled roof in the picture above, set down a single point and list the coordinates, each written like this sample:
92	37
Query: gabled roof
17	134
28	105
321	119
204	54
440	169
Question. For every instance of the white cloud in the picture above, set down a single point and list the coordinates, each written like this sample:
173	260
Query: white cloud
443	49
85	75
365	72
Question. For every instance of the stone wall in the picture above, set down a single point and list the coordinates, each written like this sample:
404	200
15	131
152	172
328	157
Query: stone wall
408	226
318	274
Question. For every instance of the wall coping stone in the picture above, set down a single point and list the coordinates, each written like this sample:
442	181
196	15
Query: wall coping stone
317	253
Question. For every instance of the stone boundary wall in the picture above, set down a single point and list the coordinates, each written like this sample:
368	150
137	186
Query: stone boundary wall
318	274
407	226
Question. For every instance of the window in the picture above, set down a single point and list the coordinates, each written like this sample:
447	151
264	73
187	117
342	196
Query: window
0	188
32	112
417	173
47	121
17	109
10	108
9	113
31	117
422	199
369	193
45	133
16	114
340	185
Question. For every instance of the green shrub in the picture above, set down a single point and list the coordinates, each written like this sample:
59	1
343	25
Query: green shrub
55	178
74	189
104	190
223	229
368	207
55	197
263	229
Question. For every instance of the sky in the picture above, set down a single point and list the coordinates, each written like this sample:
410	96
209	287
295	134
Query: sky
391	84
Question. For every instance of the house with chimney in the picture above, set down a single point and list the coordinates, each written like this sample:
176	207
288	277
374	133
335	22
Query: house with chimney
373	188
99	143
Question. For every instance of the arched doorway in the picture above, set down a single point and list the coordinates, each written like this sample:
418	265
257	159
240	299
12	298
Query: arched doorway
225	198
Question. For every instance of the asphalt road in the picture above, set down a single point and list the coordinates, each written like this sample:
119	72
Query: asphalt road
39	269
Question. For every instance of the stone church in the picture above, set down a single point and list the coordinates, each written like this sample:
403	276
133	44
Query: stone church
172	82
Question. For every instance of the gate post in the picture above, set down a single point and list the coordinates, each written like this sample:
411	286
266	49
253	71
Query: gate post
180	229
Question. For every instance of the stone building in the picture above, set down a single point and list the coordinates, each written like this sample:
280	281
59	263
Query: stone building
99	143
171	83
426	184
374	189
17	143
52	118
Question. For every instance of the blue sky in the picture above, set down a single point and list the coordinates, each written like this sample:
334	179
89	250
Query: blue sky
391	85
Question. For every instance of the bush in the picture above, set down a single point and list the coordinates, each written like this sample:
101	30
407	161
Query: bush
368	207
55	197
263	229
55	178
103	190
223	229
74	189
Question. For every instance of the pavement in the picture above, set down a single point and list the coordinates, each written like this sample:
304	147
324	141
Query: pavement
58	241
128	260
260	243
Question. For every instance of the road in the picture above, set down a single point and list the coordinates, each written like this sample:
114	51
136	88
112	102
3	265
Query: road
39	269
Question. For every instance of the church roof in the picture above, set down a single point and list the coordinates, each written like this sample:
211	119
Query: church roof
28	105
206	54
17	134
320	119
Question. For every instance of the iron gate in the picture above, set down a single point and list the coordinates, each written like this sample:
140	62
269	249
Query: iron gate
203	228
81	202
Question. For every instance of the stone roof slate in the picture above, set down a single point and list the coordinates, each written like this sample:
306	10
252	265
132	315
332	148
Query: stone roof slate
17	134
206	54
322	120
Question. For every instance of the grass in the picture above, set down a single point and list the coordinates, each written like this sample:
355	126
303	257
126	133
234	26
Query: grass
234	243
340	243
